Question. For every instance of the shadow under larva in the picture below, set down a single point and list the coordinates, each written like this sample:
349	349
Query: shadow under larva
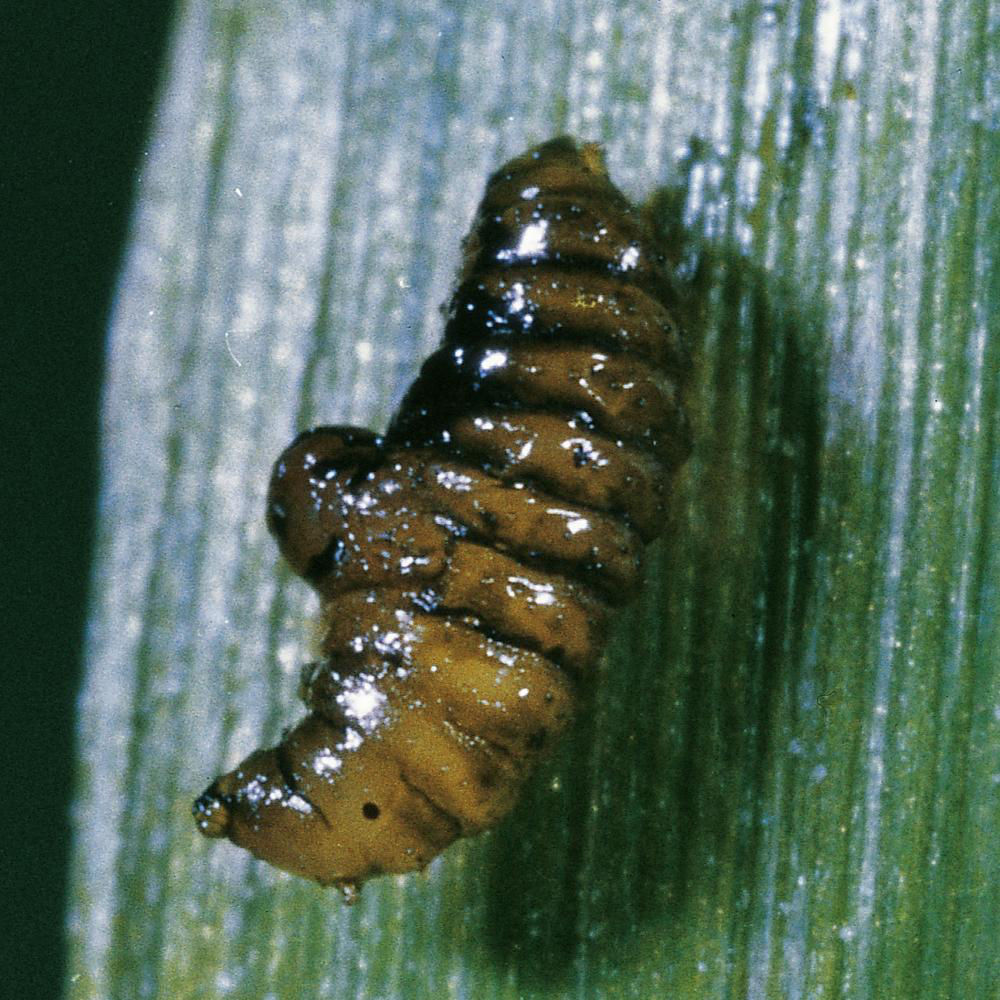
469	559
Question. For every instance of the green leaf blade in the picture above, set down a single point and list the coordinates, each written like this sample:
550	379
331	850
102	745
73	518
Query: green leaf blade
786	784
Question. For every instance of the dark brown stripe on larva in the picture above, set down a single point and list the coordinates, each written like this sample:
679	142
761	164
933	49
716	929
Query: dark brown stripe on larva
593	309
468	562
619	395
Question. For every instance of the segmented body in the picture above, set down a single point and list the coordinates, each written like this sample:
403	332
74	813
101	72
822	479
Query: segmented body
469	560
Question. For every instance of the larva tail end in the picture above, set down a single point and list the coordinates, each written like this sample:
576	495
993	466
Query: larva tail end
565	147
592	155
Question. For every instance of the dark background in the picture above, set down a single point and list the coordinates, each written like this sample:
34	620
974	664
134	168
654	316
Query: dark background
78	86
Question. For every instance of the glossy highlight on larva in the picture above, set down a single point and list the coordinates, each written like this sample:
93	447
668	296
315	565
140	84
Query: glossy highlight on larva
469	559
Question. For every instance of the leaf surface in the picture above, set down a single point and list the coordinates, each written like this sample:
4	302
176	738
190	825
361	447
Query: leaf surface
788	782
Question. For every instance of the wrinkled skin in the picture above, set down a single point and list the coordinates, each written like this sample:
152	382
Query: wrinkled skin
468	561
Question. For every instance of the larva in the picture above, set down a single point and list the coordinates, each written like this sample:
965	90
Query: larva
468	560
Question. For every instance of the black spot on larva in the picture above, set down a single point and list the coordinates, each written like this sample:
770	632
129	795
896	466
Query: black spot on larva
468	563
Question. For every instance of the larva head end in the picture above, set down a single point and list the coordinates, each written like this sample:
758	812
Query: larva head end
350	892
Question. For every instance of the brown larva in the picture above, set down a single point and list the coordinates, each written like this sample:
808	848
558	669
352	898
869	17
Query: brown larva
469	559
